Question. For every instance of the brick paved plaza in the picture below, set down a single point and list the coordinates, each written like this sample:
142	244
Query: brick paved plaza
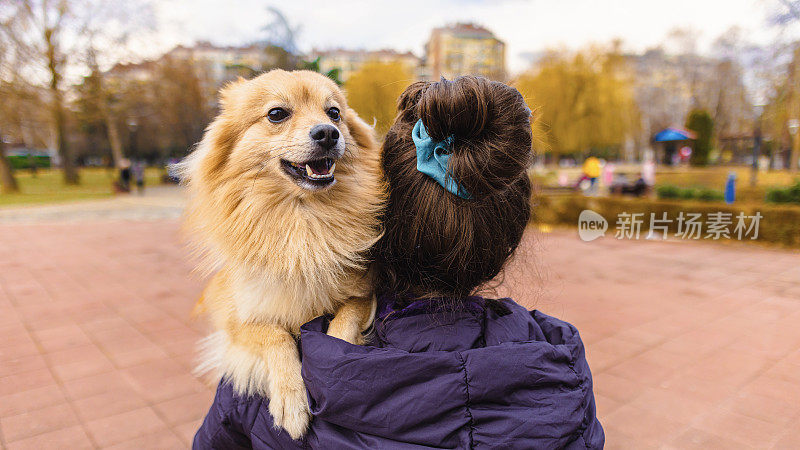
692	345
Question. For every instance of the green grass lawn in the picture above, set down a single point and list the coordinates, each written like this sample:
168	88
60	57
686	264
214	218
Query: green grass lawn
48	186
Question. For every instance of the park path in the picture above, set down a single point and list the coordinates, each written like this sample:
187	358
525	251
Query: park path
692	345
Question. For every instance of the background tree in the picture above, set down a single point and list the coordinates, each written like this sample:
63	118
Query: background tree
672	79
722	88
701	122
660	92
728	99
783	105
8	183
280	33
334	74
25	115
373	91
24	119
106	33
788	12
37	29
585	99
184	101
58	39
783	99
280	43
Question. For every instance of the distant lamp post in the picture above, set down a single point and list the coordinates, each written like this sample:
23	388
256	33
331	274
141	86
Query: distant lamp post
757	140
793	125
133	125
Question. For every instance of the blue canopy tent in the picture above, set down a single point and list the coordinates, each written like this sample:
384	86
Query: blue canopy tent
671	137
673	134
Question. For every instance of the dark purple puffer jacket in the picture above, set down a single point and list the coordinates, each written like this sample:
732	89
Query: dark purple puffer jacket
491	375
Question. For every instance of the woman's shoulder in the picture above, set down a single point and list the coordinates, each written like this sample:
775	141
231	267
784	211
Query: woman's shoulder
508	321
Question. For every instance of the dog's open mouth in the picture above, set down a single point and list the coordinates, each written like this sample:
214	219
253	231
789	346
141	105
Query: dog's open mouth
317	173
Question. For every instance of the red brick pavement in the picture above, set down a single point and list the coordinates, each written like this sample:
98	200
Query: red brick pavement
96	342
692	345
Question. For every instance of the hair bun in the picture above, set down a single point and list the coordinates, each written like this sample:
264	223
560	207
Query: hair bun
458	108
491	126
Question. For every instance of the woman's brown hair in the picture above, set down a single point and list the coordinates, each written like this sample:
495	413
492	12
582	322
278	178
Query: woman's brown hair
436	243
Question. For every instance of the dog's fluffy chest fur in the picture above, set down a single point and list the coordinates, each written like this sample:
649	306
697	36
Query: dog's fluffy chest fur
263	298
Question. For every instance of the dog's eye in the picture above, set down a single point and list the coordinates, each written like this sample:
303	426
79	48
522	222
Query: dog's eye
277	115
334	114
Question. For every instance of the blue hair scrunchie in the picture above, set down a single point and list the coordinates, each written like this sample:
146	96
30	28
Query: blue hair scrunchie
432	157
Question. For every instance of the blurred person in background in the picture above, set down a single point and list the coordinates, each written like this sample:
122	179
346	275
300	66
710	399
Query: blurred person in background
621	186
124	182
609	170
590	173
138	175
649	169
32	164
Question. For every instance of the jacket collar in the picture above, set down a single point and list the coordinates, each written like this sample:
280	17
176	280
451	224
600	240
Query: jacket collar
435	324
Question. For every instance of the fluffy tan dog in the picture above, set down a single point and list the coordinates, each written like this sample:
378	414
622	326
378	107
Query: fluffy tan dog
285	190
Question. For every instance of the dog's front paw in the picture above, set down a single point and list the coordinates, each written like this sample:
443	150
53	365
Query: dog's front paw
345	330
288	405
353	317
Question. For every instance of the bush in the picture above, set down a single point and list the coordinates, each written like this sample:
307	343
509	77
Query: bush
789	194
669	192
24	162
687	194
709	195
702	124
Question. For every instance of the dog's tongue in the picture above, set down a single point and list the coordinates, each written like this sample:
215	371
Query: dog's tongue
320	166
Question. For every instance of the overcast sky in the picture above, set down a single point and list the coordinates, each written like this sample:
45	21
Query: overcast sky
527	26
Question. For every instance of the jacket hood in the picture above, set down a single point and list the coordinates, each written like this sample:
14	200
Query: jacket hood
489	373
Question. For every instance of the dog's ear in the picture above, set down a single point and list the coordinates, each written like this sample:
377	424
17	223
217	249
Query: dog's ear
221	134
230	94
363	134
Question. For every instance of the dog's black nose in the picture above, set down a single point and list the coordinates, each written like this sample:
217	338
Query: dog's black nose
325	135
